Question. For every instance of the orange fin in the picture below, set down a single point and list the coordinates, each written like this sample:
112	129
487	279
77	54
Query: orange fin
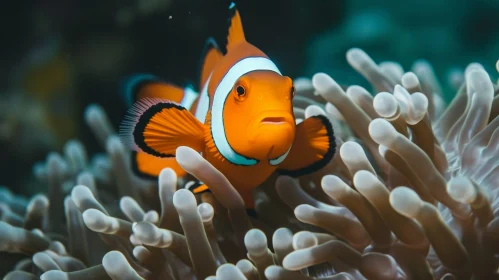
147	166
236	32
140	86
314	147
197	187
158	127
210	56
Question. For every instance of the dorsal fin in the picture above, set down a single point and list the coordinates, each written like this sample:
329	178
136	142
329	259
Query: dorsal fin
143	85
236	32
210	56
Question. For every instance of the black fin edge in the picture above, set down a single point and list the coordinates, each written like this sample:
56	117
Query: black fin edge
138	132
321	163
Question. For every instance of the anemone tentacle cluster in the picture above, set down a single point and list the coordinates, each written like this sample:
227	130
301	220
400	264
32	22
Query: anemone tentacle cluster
412	193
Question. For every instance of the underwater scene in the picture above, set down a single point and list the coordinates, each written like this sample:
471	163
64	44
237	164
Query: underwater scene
249	139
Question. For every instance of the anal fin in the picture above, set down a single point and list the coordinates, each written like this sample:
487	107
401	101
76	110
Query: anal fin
197	187
148	167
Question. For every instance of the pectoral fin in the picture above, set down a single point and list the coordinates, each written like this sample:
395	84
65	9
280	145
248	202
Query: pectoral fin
159	127
313	147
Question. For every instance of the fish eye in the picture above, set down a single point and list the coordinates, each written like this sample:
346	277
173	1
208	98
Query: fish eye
240	91
293	91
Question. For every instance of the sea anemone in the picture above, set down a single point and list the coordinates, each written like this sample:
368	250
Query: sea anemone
412	193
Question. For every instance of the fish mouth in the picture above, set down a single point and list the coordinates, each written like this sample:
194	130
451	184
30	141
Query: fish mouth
270	134
276	118
273	120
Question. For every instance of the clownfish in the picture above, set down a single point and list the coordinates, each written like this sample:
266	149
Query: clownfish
242	121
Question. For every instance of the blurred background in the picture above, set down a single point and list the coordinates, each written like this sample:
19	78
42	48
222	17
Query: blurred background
58	56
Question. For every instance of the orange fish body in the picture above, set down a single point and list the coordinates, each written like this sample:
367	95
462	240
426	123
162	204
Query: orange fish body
242	121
